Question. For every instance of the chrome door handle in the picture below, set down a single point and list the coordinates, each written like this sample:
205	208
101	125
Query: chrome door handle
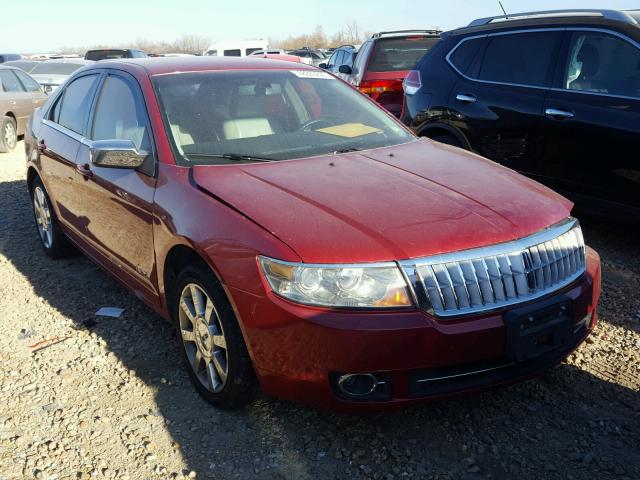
84	170
466	98
558	113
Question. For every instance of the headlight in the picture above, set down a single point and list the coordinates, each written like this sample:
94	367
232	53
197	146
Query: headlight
356	286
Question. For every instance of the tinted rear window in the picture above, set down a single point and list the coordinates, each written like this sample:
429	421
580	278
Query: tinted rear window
56	68
396	54
523	58
233	53
103	54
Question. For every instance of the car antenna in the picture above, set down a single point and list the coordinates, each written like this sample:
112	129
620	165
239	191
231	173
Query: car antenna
506	15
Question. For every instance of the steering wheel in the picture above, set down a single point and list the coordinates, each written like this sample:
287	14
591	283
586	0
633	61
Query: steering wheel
315	122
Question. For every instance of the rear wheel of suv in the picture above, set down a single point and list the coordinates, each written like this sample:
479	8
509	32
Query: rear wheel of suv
8	134
211	343
447	139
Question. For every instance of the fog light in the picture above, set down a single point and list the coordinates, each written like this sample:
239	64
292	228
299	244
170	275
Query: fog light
358	384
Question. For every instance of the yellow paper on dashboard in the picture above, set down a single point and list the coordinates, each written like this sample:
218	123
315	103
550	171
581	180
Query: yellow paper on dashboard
349	130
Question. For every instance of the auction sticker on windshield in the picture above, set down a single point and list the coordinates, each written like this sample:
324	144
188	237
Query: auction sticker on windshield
349	130
312	74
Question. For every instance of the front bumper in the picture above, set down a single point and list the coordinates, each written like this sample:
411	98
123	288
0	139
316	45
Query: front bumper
295	349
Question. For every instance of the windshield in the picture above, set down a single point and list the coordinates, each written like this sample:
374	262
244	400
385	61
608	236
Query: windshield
269	114
55	68
398	54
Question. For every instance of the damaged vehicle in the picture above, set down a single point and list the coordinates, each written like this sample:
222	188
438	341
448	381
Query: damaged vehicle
301	239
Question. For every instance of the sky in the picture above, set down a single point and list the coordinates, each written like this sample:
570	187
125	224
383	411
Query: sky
44	26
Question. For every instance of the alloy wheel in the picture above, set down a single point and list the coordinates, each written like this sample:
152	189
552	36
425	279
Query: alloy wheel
43	216
10	136
203	338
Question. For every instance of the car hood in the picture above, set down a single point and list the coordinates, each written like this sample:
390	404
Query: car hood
412	200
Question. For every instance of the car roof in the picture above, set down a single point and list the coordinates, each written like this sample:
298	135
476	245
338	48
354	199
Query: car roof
165	65
628	18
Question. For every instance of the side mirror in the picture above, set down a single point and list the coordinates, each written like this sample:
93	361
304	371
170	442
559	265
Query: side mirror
116	154
323	66
344	69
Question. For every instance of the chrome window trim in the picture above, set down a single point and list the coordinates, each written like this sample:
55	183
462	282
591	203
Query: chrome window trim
536	30
64	130
416	282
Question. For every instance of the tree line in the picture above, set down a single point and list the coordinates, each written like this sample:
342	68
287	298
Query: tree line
350	34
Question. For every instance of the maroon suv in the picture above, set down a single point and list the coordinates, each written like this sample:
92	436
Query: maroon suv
383	62
302	239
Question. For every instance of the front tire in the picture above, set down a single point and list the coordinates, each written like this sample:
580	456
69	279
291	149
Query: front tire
211	343
8	134
54	243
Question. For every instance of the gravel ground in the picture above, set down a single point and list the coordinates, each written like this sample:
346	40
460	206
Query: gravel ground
111	400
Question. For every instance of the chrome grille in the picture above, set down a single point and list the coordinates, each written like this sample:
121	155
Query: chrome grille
500	275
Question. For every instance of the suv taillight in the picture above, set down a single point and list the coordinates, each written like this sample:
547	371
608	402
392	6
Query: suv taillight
412	82
373	87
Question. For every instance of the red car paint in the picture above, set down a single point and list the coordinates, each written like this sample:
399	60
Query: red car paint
392	203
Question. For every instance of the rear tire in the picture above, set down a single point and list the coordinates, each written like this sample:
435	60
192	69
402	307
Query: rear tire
54	242
448	139
210	340
8	134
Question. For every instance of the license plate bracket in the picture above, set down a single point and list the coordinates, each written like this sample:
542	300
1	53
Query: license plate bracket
538	328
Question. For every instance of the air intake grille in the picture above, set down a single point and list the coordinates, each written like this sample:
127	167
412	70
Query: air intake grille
492	277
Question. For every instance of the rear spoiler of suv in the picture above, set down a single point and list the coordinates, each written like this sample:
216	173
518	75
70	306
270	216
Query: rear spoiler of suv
615	15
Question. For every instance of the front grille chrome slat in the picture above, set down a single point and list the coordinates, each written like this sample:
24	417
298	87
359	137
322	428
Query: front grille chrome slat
489	278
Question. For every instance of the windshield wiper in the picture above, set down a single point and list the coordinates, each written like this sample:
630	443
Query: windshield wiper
347	150
236	157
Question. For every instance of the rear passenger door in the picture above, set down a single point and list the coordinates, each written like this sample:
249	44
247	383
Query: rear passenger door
63	128
593	118
118	202
499	96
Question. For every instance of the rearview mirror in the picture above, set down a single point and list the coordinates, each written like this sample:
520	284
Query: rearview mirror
116	154
344	69
323	66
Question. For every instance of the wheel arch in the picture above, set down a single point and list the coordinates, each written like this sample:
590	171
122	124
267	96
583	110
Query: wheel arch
176	258
32	174
431	130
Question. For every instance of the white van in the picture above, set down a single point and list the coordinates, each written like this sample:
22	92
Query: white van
237	48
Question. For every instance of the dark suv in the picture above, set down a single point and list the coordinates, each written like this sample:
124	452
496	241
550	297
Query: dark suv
555	95
384	60
111	53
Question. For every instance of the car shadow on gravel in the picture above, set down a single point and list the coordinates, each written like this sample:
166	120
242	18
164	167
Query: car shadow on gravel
568	422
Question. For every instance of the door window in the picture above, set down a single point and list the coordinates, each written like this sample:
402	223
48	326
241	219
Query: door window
361	58
9	81
118	116
465	53
332	61
340	59
72	107
602	63
29	84
521	58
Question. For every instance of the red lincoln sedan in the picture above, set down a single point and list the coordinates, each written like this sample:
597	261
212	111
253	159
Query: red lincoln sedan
303	240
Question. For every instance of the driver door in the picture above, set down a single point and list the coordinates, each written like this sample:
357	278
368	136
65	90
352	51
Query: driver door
118	202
